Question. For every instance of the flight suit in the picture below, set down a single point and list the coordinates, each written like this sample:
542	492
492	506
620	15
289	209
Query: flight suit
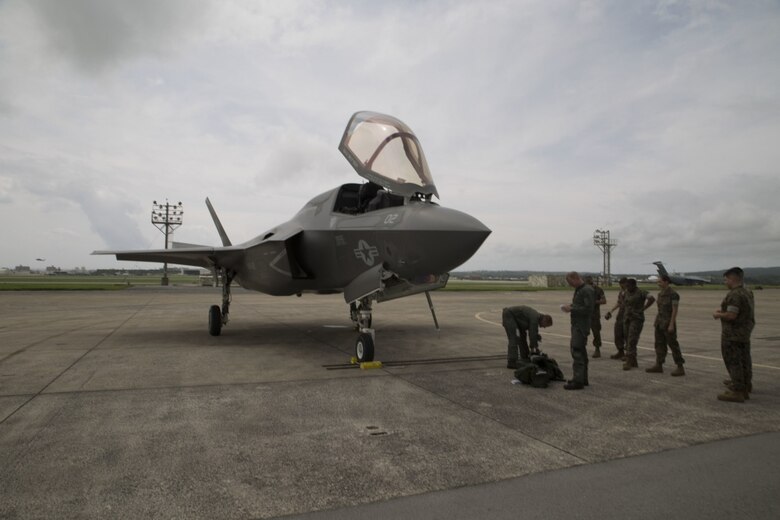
526	320
735	337
581	310
667	300
595	320
633	322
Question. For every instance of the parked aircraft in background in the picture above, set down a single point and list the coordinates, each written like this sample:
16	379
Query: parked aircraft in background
373	242
680	278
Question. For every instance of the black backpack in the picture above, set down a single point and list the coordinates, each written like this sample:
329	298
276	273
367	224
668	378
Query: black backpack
539	371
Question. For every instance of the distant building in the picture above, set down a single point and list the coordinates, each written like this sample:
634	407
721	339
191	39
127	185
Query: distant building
547	280
22	269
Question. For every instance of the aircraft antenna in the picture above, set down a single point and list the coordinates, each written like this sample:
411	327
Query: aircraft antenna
602	240
166	217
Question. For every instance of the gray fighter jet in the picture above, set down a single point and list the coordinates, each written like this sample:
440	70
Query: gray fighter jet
679	278
373	242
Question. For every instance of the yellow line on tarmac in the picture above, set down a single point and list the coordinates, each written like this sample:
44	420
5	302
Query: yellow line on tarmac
480	318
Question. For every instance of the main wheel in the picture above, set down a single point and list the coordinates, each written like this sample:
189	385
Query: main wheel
364	348
215	320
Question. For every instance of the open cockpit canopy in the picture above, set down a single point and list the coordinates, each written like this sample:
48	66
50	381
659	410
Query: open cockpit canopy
384	150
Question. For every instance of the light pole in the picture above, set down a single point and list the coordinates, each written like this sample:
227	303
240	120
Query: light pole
602	240
166	217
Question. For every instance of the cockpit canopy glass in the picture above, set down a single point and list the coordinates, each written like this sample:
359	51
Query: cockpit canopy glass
384	150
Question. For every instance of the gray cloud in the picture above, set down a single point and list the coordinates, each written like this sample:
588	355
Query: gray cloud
98	34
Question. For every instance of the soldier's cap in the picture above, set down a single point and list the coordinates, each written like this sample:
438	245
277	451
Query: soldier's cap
588	279
623	280
735	271
631	281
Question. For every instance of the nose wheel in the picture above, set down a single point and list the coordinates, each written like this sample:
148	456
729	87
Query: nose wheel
364	347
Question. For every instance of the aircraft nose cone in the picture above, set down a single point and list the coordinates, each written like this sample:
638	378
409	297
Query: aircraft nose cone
443	239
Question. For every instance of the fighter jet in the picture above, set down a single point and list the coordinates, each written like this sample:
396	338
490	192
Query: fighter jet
373	242
679	278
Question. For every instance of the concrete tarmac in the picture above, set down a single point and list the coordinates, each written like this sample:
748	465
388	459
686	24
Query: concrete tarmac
119	404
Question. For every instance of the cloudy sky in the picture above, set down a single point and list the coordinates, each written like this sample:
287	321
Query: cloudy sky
659	121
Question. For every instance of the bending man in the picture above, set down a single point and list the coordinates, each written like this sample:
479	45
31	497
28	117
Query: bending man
519	322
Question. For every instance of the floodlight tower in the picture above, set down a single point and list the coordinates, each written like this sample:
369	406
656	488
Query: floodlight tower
166	217
602	240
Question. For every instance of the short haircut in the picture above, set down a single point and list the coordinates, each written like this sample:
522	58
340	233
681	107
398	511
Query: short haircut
588	279
631	282
546	318
665	278
735	271
623	280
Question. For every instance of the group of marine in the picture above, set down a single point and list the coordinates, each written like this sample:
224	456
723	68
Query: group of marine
736	315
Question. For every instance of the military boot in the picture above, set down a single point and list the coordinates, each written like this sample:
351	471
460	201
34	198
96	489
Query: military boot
621	354
658	368
679	371
597	353
727	382
629	362
732	396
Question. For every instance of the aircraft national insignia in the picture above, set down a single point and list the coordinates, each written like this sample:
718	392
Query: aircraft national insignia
366	252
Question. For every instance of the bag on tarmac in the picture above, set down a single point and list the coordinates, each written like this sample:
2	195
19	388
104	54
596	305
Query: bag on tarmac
549	365
539	371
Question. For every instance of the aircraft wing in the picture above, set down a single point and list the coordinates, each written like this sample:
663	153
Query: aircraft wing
200	256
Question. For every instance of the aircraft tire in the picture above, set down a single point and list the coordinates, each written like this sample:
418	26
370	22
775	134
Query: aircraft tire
364	347
215	320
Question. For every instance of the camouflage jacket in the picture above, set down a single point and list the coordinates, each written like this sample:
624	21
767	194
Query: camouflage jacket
667	300
621	311
598	294
582	308
634	305
740	301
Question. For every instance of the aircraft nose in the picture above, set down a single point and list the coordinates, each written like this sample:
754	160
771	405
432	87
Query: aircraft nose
443	239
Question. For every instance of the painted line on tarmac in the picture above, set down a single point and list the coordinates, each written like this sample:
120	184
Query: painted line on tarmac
771	367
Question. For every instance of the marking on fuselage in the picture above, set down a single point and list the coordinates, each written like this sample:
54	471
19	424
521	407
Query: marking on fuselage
276	268
391	219
366	252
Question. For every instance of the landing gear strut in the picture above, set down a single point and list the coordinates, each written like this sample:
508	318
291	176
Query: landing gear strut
219	316
362	318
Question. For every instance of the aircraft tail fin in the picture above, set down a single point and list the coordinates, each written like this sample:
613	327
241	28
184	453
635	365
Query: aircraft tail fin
661	269
218	224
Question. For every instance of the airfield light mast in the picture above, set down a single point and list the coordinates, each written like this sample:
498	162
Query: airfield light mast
602	240
166	217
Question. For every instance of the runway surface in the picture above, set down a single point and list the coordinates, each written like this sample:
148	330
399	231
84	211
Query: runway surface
119	404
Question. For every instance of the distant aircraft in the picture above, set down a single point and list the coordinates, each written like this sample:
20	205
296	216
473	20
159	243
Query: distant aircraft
679	278
374	242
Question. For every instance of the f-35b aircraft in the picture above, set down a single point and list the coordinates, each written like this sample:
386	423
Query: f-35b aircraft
679	278
373	242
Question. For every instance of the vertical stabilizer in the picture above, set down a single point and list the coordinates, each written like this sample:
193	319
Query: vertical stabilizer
220	229
661	269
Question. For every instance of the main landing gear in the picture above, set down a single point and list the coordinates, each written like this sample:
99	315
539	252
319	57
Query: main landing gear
360	313
219	316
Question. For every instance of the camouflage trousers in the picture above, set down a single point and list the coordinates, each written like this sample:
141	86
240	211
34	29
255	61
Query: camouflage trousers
736	356
664	339
579	355
632	330
620	335
595	327
516	337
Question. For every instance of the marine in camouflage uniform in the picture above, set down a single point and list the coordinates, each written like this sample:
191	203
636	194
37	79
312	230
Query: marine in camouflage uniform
620	338
737	318
595	318
581	309
635	303
666	328
519	322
